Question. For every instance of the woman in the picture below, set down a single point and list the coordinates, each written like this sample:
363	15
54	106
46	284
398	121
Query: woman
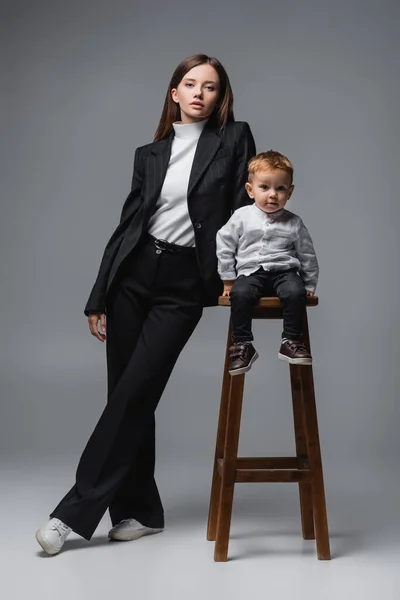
158	270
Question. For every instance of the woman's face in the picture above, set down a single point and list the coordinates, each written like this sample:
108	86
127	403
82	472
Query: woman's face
197	93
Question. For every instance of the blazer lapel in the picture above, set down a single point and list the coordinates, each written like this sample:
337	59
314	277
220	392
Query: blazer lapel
157	168
206	149
207	146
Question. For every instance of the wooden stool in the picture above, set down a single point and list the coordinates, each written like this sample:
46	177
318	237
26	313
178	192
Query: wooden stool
305	468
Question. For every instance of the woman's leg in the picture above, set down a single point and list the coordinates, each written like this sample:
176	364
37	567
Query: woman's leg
138	493
137	497
174	311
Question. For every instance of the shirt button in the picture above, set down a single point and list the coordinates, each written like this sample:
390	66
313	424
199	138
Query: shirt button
197	225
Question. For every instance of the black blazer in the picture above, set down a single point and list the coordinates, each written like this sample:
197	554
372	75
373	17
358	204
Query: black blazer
216	189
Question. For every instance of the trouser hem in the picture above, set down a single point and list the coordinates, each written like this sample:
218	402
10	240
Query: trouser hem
246	338
85	533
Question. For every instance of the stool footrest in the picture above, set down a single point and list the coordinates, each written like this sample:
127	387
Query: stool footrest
269	470
273	462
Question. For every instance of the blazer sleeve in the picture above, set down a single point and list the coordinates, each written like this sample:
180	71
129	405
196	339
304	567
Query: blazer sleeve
245	150
97	298
133	201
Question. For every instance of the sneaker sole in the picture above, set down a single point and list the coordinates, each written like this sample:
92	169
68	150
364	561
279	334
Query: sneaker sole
244	369
130	536
295	361
48	548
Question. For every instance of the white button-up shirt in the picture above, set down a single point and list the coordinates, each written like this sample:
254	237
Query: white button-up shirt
276	241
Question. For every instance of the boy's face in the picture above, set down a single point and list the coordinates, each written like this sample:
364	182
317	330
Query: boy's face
270	189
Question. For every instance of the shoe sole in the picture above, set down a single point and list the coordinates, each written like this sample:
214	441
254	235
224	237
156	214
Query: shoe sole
130	536
48	548
295	361
244	369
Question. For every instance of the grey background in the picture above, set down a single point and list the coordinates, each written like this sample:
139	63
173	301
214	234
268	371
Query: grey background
83	86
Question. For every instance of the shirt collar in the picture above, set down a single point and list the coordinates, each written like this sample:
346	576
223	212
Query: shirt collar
189	130
270	216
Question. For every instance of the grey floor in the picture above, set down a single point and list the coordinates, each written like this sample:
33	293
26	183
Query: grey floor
267	555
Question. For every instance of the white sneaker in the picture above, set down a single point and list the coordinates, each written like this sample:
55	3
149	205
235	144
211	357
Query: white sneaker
53	535
130	529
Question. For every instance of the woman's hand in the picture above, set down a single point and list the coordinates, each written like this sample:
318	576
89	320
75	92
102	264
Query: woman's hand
93	321
309	293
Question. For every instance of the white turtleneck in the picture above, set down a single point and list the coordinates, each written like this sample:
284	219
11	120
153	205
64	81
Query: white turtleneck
171	220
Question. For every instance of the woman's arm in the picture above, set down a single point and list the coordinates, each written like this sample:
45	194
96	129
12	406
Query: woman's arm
133	201
96	302
245	150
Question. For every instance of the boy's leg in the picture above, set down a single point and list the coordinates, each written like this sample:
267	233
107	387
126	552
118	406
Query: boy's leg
245	293
289	287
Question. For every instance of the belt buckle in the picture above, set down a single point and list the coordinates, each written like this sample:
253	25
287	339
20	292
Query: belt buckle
159	245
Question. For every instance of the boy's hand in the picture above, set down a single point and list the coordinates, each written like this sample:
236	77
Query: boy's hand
227	288
309	293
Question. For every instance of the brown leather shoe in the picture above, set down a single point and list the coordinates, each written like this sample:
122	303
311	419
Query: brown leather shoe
295	353
241	358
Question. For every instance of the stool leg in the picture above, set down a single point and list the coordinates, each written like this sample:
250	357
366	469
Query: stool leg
229	470
314	455
219	446
305	489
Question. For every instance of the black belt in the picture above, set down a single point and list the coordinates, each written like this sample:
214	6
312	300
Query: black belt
164	246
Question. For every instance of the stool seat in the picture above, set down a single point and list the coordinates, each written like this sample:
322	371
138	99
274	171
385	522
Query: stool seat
305	468
268	301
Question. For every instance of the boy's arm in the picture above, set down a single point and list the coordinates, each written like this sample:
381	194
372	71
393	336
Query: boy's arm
308	261
227	243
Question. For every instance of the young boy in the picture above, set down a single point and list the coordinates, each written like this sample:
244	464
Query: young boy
266	250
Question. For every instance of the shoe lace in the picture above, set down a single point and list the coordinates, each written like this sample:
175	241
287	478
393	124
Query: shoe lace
61	527
296	345
132	521
237	351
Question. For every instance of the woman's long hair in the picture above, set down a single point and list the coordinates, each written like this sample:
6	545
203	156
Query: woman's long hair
223	111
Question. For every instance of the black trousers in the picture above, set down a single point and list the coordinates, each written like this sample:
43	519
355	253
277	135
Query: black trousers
248	289
152	311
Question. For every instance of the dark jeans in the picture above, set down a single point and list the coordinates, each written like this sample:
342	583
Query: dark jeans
152	312
248	289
